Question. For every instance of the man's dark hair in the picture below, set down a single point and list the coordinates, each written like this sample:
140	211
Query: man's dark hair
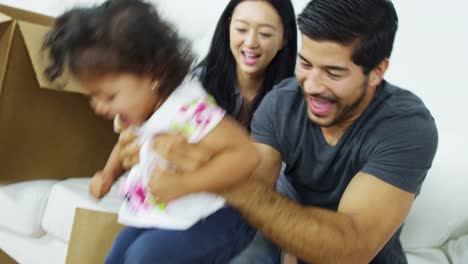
368	25
118	36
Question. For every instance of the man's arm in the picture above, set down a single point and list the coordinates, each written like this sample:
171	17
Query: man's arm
369	213
233	159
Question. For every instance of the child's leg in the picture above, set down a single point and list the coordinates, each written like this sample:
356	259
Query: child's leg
216	239
260	250
121	244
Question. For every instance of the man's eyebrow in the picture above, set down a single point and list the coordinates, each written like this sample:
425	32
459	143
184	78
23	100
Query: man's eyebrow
328	67
336	68
303	58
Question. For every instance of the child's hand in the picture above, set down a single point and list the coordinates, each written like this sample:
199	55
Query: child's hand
99	185
129	148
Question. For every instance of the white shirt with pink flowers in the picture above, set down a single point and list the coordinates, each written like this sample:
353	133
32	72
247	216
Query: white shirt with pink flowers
188	110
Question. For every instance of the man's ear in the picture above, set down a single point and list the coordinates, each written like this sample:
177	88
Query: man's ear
377	74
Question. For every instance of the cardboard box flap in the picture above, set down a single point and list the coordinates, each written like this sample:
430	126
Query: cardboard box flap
5	39
33	36
45	134
4	18
25	15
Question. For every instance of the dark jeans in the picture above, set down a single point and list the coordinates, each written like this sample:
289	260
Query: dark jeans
216	239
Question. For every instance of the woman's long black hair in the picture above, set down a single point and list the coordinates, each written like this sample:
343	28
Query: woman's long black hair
218	74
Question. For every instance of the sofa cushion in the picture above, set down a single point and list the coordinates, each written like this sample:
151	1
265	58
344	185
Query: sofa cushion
28	250
23	206
65	197
439	212
426	256
457	250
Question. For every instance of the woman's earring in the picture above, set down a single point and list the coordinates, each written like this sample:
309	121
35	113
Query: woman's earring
155	85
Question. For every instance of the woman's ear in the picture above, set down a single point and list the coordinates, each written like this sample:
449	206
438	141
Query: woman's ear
377	74
155	85
285	42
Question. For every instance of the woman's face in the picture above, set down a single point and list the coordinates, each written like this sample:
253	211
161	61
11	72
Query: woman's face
129	95
256	35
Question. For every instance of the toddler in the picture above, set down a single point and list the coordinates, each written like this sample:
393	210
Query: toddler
136	70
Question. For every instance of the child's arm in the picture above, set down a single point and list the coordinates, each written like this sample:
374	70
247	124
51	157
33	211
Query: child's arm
102	181
234	159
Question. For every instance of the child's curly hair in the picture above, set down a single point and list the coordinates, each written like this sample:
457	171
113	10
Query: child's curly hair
118	36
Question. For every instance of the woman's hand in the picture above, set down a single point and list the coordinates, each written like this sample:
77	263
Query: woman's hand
180	154
129	149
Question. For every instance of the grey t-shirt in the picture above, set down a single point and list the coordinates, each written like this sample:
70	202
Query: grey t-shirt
395	139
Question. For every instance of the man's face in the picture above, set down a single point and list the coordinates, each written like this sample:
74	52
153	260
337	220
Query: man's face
335	89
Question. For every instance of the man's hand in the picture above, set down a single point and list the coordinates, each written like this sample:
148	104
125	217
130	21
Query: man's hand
174	148
167	185
182	155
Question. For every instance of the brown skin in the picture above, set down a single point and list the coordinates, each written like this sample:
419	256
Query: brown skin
129	95
235	159
102	180
355	233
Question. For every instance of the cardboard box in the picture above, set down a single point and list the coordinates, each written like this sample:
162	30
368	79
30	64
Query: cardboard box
5	259
47	131
92	236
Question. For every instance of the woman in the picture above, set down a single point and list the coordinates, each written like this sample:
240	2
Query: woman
253	48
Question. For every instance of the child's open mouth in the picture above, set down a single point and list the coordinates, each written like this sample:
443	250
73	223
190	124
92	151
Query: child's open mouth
121	122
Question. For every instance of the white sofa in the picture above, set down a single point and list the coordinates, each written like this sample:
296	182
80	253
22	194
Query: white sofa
36	216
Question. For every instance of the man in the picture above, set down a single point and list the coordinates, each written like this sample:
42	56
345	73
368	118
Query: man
356	148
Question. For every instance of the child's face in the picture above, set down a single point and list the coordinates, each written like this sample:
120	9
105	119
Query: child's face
129	95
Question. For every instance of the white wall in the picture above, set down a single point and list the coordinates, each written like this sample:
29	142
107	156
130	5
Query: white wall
431	51
429	57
